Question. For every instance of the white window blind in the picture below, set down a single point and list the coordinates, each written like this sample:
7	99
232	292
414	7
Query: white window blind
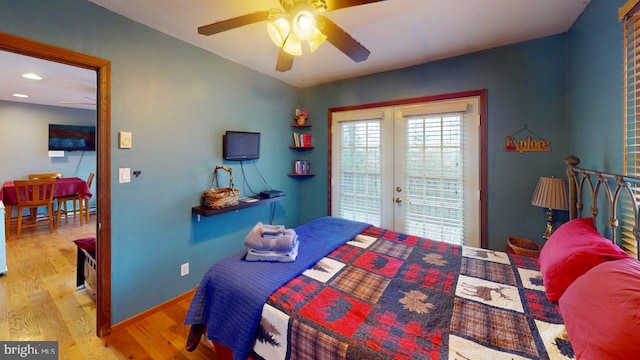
631	21
434	175
361	171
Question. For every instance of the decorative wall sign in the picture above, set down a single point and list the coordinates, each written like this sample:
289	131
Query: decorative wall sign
528	144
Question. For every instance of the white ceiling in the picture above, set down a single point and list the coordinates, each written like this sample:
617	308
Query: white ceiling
399	33
61	85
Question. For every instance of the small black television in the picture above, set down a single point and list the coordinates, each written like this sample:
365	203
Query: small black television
241	145
72	137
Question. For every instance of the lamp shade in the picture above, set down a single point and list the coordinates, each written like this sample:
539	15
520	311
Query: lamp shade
292	45
316	40
290	39
303	24
278	31
551	193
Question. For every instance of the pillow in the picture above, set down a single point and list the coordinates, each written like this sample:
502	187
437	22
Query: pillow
88	243
573	249
601	311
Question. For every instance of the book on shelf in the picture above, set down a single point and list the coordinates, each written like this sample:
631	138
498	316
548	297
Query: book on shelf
306	140
302	167
301	140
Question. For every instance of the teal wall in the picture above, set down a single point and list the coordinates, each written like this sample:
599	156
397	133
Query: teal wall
526	84
596	127
178	100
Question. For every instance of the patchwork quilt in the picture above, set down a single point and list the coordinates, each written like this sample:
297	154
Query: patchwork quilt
389	295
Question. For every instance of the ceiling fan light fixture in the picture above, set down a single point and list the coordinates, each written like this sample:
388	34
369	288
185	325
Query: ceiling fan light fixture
298	23
304	24
278	31
316	40
292	45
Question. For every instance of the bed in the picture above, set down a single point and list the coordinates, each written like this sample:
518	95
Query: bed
363	292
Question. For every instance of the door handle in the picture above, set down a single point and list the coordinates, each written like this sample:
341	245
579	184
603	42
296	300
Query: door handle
398	200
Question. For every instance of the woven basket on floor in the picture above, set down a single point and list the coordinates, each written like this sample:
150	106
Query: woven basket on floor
524	247
220	197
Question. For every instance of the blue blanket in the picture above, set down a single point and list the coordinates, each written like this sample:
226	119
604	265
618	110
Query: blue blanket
232	293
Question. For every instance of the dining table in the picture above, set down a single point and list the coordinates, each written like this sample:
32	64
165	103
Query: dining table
65	186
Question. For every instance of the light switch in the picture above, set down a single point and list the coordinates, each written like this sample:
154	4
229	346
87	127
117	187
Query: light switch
124	175
125	140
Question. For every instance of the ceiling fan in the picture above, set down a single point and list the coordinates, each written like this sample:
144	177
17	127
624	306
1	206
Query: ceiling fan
299	21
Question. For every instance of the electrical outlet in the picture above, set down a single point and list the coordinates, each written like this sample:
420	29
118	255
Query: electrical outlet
184	269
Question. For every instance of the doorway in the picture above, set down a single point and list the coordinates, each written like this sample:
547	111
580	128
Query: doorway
102	67
416	166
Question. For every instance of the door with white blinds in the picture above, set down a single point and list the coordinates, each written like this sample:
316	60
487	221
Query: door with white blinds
412	168
362	152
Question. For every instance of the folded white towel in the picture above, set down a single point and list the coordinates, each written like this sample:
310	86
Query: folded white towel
271	235
269	229
277	256
283	243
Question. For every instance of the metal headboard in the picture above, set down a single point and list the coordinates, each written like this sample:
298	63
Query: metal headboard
613	185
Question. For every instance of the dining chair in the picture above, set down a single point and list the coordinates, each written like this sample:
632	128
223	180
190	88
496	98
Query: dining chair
85	202
55	175
49	175
80	205
32	194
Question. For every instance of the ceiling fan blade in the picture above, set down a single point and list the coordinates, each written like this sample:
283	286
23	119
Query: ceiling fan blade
75	103
341	4
224	25
341	40
285	61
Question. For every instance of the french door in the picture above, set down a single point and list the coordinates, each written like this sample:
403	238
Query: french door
412	168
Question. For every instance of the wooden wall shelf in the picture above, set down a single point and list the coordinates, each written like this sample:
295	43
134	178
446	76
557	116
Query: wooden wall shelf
298	140
207	211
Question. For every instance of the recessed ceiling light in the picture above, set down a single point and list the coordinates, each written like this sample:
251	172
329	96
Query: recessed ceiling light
21	95
32	76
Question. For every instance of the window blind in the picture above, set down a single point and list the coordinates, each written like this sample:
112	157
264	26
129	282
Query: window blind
361	171
630	17
434	173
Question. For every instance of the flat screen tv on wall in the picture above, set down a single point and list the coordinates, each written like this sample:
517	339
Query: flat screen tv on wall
241	145
72	137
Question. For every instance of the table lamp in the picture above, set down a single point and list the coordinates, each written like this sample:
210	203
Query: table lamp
551	193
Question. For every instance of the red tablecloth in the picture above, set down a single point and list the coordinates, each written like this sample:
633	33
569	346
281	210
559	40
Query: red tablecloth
64	187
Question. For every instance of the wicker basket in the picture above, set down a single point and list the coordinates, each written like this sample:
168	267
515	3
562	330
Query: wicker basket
90	272
524	247
220	197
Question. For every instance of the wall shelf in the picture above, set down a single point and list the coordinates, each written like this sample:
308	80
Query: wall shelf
298	139
207	211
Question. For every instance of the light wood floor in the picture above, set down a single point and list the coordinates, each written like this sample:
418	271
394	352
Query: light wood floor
39	301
